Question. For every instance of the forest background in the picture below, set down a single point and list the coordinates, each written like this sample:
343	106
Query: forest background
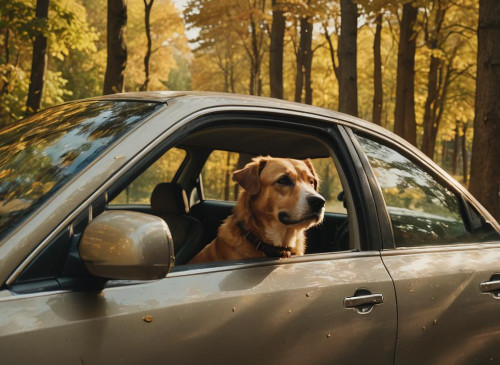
410	66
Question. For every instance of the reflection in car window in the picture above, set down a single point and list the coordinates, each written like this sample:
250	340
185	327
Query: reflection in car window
43	152
422	211
163	170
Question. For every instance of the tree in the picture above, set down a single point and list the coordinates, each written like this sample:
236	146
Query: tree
276	51
39	63
485	171
347	53
304	56
237	26
117	47
147	25
378	92
404	114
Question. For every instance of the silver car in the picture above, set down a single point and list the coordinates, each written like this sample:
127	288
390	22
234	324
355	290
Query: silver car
104	201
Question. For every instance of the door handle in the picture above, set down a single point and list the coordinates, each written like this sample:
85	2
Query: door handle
363	300
490	286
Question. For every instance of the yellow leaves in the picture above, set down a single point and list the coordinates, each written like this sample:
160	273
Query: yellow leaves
168	40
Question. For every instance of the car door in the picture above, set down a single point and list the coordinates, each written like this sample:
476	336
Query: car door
445	263
264	313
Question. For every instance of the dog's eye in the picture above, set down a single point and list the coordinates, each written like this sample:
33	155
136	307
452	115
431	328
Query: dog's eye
285	180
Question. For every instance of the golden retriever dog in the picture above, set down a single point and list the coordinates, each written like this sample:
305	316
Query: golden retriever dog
279	203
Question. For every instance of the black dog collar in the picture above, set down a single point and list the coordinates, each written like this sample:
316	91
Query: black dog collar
268	249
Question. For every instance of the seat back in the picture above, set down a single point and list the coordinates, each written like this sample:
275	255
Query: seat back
169	202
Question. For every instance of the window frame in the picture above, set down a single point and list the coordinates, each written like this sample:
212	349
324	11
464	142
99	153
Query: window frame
464	198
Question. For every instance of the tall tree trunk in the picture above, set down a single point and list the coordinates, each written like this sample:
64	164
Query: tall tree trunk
430	102
378	92
404	114
435	85
300	60
347	52
39	61
276	51
464	151
485	169
147	23
307	25
117	47
5	86
455	147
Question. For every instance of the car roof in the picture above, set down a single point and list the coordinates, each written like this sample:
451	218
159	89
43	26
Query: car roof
218	99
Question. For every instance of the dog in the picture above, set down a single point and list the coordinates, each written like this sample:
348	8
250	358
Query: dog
279	203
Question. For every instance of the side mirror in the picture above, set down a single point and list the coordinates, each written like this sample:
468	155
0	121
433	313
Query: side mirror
127	245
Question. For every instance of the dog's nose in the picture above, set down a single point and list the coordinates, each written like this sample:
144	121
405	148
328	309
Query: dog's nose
316	202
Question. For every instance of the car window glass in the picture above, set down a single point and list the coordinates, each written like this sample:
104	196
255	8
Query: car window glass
330	186
41	153
422	211
163	170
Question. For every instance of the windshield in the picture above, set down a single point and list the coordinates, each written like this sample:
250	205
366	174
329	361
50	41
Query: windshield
43	152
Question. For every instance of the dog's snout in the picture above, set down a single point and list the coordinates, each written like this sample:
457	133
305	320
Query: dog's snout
316	202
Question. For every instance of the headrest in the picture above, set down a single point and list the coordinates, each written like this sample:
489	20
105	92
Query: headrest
169	199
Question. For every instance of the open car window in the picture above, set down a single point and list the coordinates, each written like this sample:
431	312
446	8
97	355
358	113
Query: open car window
163	170
218	184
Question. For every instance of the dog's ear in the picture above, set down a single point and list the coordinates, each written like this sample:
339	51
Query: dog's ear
249	176
309	164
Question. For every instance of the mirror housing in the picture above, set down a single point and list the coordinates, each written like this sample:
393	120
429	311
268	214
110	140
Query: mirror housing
127	245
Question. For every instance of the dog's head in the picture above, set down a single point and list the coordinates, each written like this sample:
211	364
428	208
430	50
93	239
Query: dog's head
284	190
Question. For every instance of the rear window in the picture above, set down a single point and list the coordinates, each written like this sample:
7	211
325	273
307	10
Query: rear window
41	153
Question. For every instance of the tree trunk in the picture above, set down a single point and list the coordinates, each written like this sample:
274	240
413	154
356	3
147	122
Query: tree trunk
5	86
485	169
39	62
307	25
430	102
435	85
378	92
276	51
464	151
147	17
303	54
455	147
404	115
347	53
117	47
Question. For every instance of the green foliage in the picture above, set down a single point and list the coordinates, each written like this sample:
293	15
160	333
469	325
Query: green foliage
66	30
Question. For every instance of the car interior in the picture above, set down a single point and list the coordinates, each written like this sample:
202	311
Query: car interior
197	194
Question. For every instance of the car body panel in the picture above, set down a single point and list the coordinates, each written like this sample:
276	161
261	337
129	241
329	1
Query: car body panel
440	306
267	313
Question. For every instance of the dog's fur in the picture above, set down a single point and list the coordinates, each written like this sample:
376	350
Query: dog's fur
275	206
